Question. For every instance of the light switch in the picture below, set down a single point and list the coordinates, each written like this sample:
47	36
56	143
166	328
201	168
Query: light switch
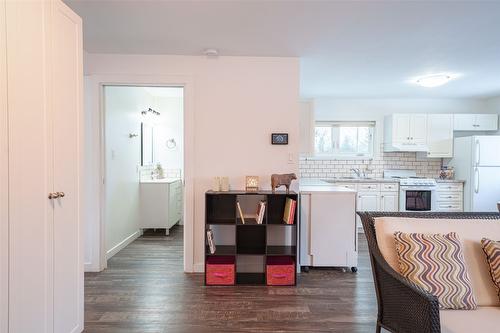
290	158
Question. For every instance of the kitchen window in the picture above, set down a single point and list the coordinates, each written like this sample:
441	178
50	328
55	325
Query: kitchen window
342	139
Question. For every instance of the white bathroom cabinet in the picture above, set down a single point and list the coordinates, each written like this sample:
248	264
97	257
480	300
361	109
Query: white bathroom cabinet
161	203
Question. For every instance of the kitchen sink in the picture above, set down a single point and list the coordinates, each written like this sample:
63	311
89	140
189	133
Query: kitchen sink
336	180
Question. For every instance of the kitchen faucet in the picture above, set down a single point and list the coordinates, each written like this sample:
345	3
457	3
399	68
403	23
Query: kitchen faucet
358	173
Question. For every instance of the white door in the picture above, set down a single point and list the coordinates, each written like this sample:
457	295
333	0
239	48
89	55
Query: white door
485	192
30	211
418	128
67	76
486	122
486	151
401	127
464	122
440	135
389	202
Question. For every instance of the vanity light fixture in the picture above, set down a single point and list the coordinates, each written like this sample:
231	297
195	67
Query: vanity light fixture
434	80
150	111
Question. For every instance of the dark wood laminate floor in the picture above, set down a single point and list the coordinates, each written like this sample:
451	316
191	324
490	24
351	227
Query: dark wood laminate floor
144	290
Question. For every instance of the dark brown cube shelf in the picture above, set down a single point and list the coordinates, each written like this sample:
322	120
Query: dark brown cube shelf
251	239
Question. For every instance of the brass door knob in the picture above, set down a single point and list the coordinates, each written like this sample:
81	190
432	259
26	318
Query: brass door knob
53	195
60	194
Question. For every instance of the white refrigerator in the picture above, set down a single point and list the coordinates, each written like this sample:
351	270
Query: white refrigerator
476	160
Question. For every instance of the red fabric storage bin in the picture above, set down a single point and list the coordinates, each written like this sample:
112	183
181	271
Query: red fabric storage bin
280	271
220	271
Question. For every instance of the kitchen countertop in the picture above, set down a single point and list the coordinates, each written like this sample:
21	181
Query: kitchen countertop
325	188
449	180
159	181
330	181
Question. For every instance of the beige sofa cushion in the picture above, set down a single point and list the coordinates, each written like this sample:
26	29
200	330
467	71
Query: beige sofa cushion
470	232
484	319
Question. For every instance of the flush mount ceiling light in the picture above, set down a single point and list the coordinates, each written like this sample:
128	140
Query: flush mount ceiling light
211	52
434	80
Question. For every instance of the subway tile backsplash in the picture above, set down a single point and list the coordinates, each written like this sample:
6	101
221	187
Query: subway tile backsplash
374	168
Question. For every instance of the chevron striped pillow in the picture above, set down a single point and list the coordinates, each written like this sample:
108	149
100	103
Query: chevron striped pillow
492	251
436	263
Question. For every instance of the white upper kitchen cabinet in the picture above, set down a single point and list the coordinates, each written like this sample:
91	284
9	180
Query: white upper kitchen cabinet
440	135
475	122
405	132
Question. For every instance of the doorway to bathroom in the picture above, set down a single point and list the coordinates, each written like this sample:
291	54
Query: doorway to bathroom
143	197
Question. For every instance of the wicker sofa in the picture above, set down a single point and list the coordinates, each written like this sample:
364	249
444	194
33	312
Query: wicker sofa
403	306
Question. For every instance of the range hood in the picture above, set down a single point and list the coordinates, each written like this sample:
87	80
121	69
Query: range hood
409	147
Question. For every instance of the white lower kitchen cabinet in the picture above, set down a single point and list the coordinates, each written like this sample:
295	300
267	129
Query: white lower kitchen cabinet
161	203
450	197
389	202
328	236
368	201
375	197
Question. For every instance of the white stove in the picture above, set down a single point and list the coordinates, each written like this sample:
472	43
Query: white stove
416	194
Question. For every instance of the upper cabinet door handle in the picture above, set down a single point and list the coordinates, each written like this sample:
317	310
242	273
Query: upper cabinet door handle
53	195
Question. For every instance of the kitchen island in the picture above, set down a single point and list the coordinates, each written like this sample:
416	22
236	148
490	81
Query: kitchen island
328	236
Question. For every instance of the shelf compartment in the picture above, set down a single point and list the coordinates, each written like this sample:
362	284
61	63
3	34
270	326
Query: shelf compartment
220	208
250	239
229	221
249	221
249	204
220	271
250	278
221	250
280	271
276	208
289	250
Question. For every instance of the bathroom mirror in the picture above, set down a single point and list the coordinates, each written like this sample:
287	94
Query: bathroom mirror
147	151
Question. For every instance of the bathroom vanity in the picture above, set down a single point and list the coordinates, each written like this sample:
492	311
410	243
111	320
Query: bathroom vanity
161	203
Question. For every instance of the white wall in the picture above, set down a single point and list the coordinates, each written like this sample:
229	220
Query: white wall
170	126
123	107
237	103
493	106
376	109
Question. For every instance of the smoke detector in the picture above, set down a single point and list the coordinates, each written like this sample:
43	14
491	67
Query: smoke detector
211	52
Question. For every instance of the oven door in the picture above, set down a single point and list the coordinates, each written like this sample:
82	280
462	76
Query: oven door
415	199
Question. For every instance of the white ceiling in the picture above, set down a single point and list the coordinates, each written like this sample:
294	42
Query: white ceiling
347	49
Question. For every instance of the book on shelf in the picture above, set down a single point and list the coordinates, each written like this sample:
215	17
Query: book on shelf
210	239
289	213
261	208
240	212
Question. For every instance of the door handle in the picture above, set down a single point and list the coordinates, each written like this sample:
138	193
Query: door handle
478	152
53	195
476	180
60	194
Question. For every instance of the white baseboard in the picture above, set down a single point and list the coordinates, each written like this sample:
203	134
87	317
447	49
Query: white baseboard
120	246
90	267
